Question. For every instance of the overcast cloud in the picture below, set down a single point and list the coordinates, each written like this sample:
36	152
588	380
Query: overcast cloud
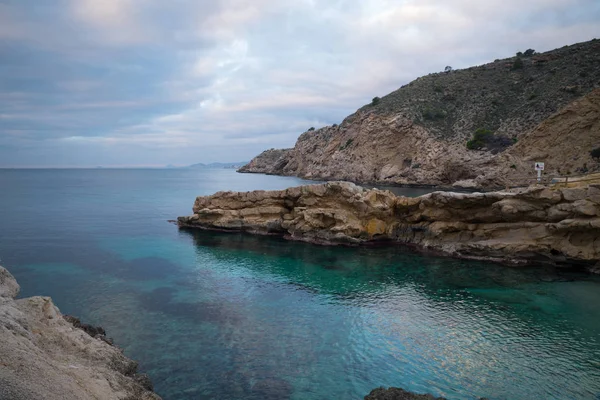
155	82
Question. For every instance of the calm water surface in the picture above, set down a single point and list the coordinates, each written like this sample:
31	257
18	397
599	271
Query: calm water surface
232	316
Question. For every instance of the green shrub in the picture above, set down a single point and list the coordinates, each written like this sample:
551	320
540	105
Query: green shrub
517	64
529	52
480	139
430	114
595	153
513	166
484	138
375	101
519	54
312	128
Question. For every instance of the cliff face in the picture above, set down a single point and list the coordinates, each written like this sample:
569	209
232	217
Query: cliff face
537	224
418	134
43	356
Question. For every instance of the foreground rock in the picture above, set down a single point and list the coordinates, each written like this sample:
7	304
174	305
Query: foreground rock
538	224
44	356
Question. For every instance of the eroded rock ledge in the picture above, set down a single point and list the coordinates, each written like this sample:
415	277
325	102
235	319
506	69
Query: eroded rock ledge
538	224
44	356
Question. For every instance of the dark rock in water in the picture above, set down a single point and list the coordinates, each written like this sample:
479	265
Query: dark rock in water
395	393
93	331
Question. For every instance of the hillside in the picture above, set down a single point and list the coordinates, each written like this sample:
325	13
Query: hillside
418	134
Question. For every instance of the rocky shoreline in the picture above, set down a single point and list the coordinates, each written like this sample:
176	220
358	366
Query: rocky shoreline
559	226
45	355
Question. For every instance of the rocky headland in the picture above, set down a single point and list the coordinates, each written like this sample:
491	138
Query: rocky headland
532	107
45	355
559	226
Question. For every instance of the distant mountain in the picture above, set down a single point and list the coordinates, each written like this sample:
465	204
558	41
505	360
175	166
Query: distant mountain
218	165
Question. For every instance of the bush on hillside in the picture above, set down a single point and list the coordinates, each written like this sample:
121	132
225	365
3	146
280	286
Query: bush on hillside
529	52
486	139
595	153
518	64
312	128
375	101
480	139
433	114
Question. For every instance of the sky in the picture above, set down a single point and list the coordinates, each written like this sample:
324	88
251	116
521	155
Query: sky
87	83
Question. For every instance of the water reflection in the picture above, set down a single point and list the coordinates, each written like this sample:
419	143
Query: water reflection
446	326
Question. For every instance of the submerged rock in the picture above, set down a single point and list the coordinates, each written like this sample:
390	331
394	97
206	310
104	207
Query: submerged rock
395	393
537	224
44	355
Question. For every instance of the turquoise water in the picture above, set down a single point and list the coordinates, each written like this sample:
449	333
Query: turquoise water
230	316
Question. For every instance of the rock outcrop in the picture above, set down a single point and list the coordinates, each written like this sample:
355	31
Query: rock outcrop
270	161
538	224
43	356
546	111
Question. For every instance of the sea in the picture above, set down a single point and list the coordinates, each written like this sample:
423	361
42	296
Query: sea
213	315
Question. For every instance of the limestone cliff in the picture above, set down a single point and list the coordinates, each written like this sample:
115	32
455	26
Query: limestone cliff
43	356
418	134
537	224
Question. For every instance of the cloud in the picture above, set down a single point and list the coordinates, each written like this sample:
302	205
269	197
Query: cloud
88	82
